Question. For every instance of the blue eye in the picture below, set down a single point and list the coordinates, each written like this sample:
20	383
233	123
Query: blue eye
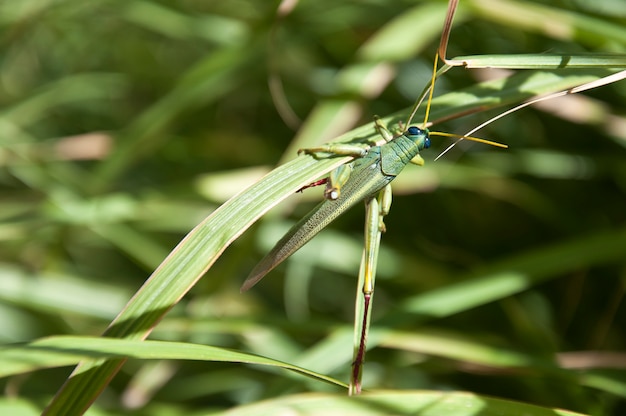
414	131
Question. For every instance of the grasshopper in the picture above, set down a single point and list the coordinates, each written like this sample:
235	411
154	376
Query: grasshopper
361	180
368	178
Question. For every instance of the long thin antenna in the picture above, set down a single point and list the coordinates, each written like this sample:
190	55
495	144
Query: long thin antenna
432	90
470	138
443	45
609	79
425	93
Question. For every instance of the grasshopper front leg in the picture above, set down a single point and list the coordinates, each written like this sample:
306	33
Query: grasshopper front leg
339	149
339	176
382	130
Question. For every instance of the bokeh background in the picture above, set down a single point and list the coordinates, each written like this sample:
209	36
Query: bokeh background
124	124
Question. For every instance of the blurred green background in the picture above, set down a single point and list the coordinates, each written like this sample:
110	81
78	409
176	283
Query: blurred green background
123	124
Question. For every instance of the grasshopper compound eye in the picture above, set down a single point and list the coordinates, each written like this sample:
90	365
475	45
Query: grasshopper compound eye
426	142
416	131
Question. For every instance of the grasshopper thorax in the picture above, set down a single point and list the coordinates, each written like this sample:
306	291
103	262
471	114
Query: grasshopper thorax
419	136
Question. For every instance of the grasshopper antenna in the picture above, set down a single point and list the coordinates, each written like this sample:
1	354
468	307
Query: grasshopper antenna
428	91
431	90
441	54
609	79
465	137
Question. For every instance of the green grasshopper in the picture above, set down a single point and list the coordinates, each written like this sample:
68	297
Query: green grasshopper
367	178
361	180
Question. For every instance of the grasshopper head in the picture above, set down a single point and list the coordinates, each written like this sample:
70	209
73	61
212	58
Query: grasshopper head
419	136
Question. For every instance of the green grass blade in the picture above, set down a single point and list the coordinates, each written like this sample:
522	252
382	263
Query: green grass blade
500	92
423	403
551	21
542	61
63	351
208	80
514	275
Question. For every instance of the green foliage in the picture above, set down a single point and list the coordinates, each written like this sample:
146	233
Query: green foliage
125	124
